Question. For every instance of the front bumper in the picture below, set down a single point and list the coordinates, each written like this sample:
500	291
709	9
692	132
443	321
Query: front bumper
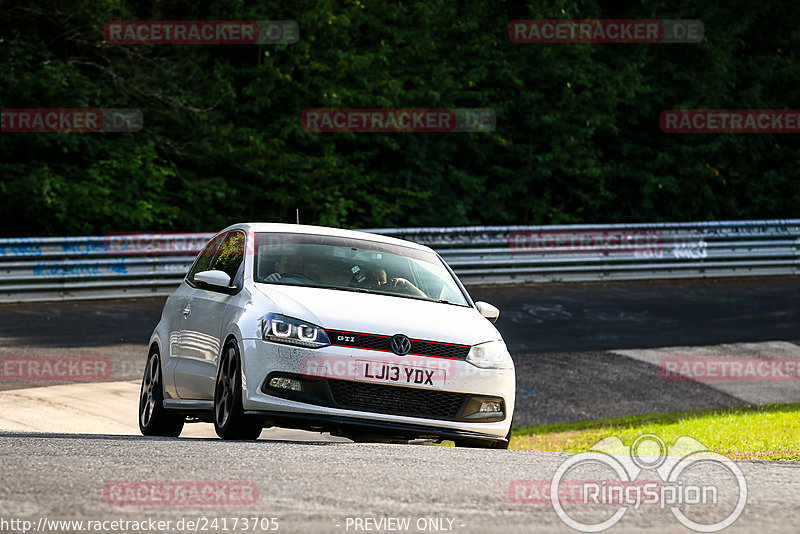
368	428
315	407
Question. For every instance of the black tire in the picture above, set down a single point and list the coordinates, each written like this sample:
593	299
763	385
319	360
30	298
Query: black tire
230	422
154	419
481	444
485	444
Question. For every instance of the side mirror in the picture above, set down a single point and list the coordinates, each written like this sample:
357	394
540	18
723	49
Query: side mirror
487	310
213	278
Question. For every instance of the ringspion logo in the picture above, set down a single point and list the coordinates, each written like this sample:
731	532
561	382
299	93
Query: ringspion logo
70	120
592	491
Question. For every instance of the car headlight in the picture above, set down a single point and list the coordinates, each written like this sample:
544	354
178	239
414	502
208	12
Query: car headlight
282	329
491	355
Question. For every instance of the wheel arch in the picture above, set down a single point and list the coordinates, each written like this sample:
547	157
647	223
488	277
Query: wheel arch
230	336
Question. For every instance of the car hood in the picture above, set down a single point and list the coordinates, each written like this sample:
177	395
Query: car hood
381	314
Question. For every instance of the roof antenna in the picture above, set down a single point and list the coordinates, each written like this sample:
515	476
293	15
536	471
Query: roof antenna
298	215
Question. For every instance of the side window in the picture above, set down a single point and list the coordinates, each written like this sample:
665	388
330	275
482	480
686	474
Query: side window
203	261
230	254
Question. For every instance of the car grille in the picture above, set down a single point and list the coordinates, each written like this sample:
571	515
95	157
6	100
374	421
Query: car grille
384	343
396	400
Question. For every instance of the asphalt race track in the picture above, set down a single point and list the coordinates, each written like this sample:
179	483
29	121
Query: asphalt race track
316	487
585	317
583	351
534	318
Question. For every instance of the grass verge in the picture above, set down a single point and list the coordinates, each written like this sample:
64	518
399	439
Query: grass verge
767	432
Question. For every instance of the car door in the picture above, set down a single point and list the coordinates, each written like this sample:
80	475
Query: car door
171	347
179	338
201	341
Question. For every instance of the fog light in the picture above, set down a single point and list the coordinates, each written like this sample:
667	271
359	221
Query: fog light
286	383
491	407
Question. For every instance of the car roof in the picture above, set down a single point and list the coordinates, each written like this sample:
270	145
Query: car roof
325	230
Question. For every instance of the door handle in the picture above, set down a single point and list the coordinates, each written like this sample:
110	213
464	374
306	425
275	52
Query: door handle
186	312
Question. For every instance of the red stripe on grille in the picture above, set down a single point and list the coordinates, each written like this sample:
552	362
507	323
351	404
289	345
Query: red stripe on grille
355	345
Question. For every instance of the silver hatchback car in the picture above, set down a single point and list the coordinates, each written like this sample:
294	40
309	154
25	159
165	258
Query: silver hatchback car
357	334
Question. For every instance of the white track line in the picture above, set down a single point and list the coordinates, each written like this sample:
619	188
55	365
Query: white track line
764	388
100	408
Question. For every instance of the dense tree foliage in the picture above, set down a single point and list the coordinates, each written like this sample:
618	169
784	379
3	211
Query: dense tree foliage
577	136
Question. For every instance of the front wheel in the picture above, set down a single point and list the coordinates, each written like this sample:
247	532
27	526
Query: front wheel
480	444
154	419
230	422
485	444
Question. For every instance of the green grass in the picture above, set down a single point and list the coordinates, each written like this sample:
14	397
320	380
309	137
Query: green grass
770	432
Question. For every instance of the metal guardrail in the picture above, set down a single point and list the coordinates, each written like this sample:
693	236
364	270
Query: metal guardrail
137	265
112	266
592	252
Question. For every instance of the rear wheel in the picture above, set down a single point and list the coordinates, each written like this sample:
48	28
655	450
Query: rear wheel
230	422
154	419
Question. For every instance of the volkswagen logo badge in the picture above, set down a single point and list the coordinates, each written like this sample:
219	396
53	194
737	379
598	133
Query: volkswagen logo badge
401	345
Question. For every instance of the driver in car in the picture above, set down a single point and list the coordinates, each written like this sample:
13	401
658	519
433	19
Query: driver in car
287	264
380	280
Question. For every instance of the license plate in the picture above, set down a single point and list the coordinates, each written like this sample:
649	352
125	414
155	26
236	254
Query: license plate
392	373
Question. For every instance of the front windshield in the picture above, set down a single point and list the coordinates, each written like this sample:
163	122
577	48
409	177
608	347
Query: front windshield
353	265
